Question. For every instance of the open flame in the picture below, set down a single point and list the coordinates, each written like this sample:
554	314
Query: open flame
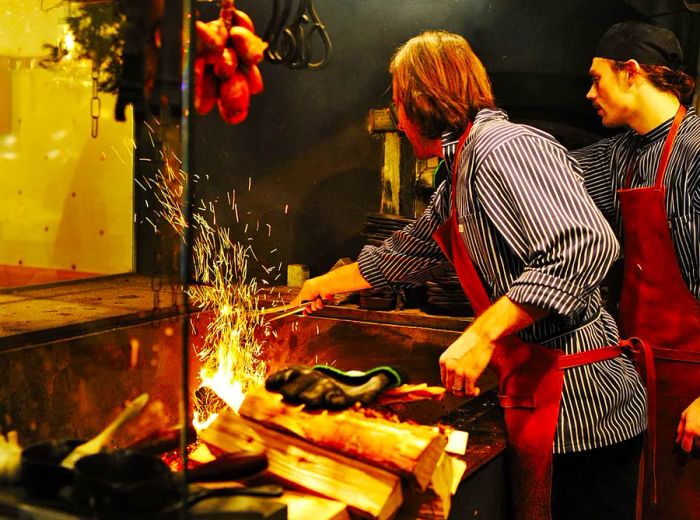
231	347
230	351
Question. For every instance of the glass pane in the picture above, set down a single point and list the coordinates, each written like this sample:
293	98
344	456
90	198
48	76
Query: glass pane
66	164
85	196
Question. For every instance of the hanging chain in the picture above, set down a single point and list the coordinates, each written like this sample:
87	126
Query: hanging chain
95	103
176	289
156	279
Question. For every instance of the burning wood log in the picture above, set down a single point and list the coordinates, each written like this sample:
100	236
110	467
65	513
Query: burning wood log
367	490
409	449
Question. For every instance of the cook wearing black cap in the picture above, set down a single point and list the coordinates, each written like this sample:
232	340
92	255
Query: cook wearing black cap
646	181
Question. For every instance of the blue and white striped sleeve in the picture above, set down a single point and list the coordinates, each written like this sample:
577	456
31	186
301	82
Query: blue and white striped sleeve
595	161
531	191
694	185
408	256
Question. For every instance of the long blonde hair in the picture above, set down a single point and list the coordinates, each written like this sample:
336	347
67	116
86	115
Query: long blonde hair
441	83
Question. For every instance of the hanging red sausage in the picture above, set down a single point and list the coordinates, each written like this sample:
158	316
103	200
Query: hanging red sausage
234	98
205	87
225	68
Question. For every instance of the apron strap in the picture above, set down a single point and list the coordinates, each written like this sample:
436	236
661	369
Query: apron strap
475	291
589	356
665	153
668	146
455	167
643	357
672	354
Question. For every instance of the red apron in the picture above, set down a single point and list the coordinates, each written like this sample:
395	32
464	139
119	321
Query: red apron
531	379
657	306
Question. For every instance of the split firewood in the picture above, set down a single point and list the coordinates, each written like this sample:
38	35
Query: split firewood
435	502
302	506
368	491
409	449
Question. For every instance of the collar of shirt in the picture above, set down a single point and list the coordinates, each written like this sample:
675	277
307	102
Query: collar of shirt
450	138
660	131
490	114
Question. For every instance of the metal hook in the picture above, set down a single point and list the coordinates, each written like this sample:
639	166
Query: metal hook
293	45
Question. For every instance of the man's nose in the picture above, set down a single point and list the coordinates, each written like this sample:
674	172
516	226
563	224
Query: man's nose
591	94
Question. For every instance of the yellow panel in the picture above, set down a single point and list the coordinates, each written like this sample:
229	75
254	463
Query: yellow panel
67	198
5	98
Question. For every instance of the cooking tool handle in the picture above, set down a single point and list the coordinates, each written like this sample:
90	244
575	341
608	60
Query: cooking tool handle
281	308
229	466
292	311
266	490
98	442
286	310
159	441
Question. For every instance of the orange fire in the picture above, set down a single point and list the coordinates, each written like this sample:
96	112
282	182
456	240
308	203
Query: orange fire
231	348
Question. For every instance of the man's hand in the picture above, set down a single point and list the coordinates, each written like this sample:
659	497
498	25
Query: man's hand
689	427
316	290
464	361
313	294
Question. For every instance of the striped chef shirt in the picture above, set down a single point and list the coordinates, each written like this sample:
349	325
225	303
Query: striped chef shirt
537	237
605	165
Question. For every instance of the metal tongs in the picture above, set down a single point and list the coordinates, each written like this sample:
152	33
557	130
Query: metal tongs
283	310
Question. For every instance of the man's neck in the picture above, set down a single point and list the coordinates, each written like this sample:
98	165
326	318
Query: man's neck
651	110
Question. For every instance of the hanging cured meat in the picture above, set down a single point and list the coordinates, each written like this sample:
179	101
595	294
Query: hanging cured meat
225	68
234	98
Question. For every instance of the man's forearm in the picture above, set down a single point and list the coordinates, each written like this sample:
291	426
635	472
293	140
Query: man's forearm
504	318
343	279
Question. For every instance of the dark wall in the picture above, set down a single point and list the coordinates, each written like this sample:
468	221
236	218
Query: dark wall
313	167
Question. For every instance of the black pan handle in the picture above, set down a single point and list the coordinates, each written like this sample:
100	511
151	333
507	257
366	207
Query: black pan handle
229	466
197	493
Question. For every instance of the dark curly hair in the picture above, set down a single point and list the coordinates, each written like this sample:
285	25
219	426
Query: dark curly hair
667	79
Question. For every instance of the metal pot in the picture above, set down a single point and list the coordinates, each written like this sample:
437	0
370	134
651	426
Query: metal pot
123	480
41	472
136	483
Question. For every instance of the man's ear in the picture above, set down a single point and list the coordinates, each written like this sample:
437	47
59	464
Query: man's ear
633	70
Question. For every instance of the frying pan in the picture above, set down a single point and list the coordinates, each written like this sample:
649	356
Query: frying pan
136	483
41	470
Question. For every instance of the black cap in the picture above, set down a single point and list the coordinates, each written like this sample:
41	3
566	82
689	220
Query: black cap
648	44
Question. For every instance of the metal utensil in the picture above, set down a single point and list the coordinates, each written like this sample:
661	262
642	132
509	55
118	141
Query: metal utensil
292	45
305	25
98	442
283	311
